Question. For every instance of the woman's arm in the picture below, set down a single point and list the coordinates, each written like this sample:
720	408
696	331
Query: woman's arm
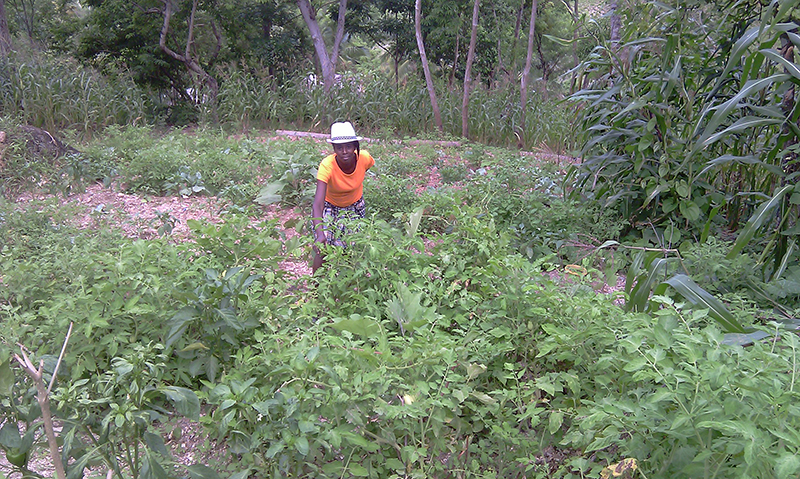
316	211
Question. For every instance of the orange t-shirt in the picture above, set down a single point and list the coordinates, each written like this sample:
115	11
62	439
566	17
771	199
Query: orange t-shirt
343	189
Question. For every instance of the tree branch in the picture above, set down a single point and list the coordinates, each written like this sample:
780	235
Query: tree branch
190	36
339	33
147	10
217	35
43	398
162	41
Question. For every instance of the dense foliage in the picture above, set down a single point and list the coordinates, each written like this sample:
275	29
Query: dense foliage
435	345
250	64
462	332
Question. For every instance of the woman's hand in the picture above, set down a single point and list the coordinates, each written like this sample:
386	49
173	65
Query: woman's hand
320	237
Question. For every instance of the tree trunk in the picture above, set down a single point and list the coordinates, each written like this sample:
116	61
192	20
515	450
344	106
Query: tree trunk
473	39
452	77
543	65
527	71
327	61
499	67
188	58
573	81
5	35
437	115
28	17
517	27
614	22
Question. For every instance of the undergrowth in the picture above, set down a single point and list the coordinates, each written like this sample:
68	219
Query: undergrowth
432	346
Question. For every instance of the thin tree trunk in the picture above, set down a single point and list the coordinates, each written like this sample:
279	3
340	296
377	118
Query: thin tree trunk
573	80
527	71
27	18
544	66
5	35
499	67
437	115
473	39
517	27
327	61
614	22
452	78
188	58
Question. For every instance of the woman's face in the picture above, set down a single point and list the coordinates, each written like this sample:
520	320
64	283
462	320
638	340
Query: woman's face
346	152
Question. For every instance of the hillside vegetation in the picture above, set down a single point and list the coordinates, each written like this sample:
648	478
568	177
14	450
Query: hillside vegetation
588	267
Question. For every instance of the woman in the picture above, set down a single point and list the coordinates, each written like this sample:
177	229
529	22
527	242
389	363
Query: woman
340	187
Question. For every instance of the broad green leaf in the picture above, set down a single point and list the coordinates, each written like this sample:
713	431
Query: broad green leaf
358	470
407	309
690	210
201	471
10	436
787	465
700	298
395	464
241	474
156	444
413	222
358	325
306	426
301	444
761	217
179	323
6	378
185	400
475	370
274	449
556	420
270	193
358	440
151	468
482	397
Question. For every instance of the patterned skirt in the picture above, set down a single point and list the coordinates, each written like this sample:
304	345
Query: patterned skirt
335	219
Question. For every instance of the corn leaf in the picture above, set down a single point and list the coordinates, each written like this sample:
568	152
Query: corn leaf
700	298
723	111
761	217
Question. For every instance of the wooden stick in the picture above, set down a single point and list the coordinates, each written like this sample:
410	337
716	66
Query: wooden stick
43	397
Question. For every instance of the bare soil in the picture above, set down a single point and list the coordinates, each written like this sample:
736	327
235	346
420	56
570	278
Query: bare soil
140	216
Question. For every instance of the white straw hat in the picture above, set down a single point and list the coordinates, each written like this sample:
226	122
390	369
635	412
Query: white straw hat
343	132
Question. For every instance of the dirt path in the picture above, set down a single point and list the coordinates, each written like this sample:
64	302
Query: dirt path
141	216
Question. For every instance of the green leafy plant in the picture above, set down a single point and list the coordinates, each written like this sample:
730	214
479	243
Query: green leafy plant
293	179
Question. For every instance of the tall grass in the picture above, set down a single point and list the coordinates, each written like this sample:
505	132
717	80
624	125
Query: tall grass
57	93
250	99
